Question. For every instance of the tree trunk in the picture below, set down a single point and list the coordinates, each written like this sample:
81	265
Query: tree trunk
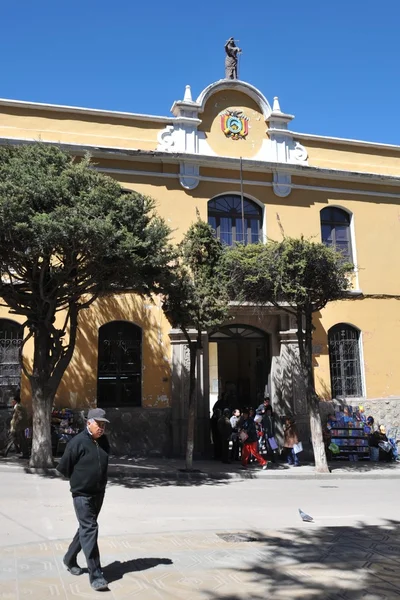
305	350
191	407
42	403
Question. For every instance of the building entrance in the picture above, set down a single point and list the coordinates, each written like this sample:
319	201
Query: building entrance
240	364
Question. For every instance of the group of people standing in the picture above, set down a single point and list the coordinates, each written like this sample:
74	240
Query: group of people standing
250	434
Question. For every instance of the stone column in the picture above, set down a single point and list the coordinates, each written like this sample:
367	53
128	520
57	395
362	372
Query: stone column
286	382
180	393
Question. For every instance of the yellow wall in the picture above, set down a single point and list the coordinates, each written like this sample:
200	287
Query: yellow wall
379	324
353	158
71	128
376	223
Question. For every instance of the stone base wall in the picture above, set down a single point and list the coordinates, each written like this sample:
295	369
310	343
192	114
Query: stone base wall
140	431
132	431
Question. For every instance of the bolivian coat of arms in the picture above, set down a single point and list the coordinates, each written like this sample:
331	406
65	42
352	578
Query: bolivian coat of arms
234	124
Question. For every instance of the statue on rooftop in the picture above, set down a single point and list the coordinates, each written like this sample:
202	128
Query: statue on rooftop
231	59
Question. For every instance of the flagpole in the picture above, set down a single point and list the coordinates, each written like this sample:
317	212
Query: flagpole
242	201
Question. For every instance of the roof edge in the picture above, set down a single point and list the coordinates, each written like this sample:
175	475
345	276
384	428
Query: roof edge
83	111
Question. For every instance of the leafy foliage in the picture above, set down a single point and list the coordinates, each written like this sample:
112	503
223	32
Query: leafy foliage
67	235
196	296
297	272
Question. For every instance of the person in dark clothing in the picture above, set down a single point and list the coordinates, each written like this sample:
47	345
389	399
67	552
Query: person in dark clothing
235	421
269	427
19	423
85	464
216	438
225	432
248	434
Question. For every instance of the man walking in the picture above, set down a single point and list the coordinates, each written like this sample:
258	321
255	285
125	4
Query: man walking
18	425
225	432
85	464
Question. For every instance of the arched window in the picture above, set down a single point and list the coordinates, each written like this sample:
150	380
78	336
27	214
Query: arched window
11	334
119	378
226	216
335	230
344	360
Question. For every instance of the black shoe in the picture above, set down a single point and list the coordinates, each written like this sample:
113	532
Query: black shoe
73	569
99	585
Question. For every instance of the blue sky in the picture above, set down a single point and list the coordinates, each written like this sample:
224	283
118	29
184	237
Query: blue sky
333	64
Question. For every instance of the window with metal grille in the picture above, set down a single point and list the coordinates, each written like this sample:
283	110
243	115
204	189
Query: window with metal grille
11	334
119	376
344	360
226	217
335	230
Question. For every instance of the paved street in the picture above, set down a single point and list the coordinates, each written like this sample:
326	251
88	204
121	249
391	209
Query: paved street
209	540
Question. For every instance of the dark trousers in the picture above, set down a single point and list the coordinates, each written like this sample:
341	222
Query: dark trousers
19	441
291	457
87	510
225	451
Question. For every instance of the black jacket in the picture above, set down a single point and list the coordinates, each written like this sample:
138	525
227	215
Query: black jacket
85	464
250	428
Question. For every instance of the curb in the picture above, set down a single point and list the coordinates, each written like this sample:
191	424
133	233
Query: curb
217	476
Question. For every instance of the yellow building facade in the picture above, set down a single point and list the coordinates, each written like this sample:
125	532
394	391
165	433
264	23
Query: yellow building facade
232	157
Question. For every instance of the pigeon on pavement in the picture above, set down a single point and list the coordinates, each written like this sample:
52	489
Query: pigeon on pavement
305	517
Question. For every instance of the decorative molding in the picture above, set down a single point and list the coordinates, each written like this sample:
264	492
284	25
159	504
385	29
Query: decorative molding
237	85
166	140
282	184
189	176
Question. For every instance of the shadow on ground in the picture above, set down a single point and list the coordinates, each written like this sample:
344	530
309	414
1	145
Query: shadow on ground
363	466
331	563
118	569
163	480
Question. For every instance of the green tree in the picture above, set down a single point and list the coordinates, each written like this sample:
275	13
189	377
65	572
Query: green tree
196	300
300	277
67	235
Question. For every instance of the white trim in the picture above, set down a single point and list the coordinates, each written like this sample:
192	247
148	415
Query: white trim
362	364
249	182
226	162
235	84
345	141
83	111
252	199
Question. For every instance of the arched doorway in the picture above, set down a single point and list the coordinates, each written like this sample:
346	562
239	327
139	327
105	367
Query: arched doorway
240	363
11	335
119	377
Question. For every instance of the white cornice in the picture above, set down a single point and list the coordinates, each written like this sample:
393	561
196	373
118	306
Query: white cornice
222	162
84	111
344	141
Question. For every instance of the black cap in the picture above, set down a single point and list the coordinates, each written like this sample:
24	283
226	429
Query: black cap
98	414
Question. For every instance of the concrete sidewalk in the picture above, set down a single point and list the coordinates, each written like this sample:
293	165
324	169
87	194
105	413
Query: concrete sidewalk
305	563
174	469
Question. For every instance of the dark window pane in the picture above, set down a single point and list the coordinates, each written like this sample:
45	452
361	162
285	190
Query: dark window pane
326	231
213	222
255	231
239	231
335	230
225	216
120	365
